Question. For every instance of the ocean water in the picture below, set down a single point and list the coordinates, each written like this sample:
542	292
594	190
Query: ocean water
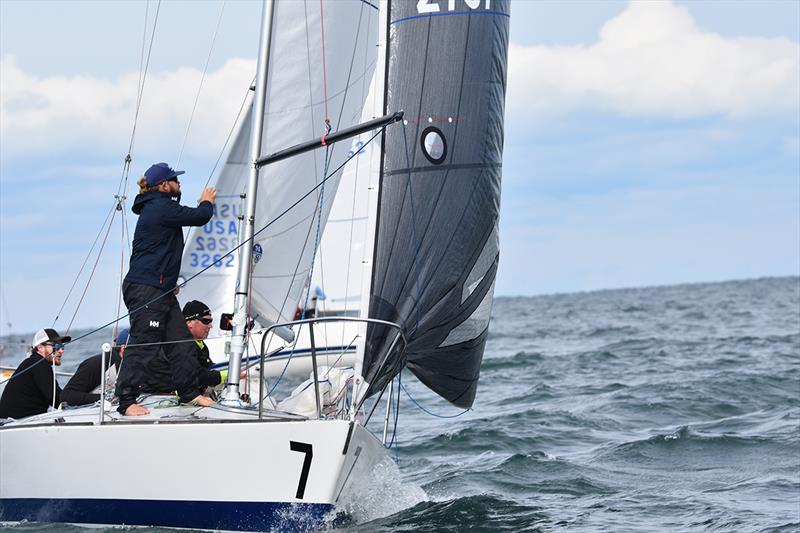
655	409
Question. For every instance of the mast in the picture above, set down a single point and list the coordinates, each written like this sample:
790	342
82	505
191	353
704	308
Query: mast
240	318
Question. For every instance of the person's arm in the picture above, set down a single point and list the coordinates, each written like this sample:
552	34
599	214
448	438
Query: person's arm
209	378
44	382
78	389
178	215
181	215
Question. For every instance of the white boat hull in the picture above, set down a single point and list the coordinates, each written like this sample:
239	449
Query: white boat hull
168	474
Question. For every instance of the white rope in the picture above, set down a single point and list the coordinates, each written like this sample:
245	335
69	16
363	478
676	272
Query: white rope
200	87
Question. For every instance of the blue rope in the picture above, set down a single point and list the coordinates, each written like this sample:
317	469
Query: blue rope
316	236
313	256
413	227
430	413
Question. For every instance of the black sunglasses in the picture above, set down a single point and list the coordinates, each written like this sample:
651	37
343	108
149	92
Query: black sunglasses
175	179
205	321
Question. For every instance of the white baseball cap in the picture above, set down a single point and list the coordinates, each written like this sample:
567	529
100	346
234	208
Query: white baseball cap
48	335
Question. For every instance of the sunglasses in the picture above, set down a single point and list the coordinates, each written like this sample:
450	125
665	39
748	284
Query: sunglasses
56	346
205	321
174	179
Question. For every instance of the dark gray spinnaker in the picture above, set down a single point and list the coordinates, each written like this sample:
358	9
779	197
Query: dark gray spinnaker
436	242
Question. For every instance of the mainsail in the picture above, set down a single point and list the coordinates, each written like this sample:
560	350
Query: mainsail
304	70
436	243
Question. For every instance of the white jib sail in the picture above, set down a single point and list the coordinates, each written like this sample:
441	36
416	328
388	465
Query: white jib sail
295	112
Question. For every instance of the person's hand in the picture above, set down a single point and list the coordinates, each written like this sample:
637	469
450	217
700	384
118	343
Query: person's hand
209	194
136	410
204	401
243	374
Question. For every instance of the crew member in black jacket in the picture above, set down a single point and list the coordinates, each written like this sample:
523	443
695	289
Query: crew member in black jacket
149	288
79	390
199	321
29	390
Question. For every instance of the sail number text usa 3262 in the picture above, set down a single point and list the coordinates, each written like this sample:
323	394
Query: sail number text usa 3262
216	239
432	6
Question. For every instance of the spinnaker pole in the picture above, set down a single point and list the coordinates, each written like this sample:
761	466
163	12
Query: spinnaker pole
240	318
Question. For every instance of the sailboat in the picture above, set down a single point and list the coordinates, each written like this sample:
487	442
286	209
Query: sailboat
433	143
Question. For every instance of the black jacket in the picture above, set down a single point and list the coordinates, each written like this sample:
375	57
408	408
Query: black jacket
159	375
29	392
78	390
158	239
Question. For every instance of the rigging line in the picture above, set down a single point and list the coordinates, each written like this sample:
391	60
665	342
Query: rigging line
121	271
396	411
247	318
324	72
17	374
230	134
329	155
144	78
123	186
91	274
144	44
364	95
234	249
291	353
429	412
127	229
321	207
200	87
349	69
316	171
123	182
413	226
224	148
88	255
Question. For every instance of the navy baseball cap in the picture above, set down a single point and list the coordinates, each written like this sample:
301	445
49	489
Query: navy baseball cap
160	172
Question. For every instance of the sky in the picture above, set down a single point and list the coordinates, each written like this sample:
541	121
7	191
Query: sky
647	143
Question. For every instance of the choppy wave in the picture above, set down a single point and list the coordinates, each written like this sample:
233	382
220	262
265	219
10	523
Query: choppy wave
655	409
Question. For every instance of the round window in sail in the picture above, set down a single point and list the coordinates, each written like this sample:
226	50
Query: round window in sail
433	145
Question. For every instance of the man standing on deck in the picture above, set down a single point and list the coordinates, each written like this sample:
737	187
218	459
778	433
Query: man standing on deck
149	288
32	388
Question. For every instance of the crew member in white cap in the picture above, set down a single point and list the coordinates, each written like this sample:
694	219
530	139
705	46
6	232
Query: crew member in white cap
30	390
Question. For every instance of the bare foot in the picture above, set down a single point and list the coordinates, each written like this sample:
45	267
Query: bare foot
135	409
205	401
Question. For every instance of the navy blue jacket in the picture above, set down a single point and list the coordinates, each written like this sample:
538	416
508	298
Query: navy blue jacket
158	240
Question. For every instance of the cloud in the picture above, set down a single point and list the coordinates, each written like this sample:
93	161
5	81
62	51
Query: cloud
58	113
652	60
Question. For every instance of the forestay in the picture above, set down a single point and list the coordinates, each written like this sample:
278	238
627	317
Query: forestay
436	244
295	111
